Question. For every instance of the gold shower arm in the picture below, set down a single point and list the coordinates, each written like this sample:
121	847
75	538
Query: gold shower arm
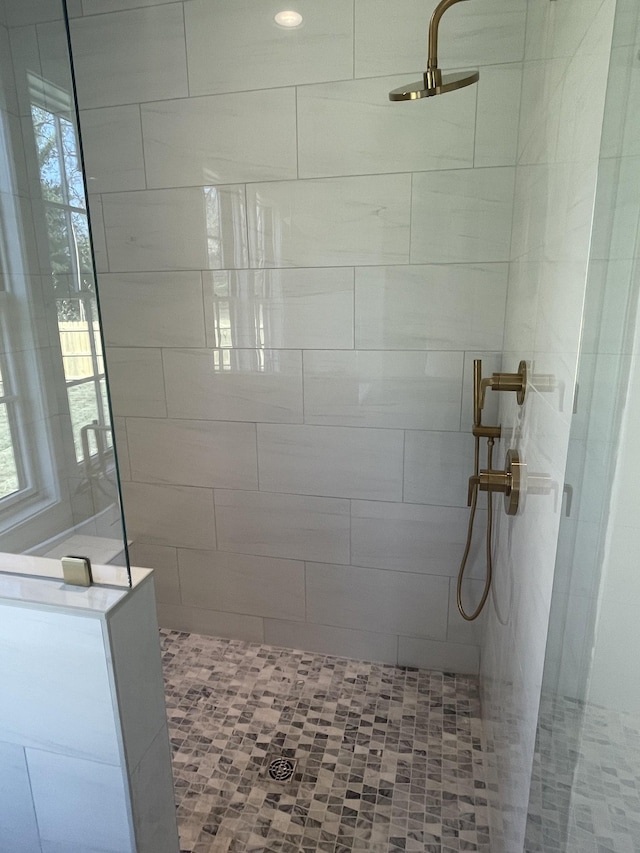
441	8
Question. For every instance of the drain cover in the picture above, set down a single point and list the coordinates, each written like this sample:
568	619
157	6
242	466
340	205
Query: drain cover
281	769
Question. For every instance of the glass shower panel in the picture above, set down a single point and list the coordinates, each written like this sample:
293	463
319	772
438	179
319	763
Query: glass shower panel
59	490
585	792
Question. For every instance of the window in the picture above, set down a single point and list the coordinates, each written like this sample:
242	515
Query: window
73	282
11	480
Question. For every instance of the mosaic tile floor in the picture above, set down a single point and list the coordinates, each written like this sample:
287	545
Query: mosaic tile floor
388	759
585	795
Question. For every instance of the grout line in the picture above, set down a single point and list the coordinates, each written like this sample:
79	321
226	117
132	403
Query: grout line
297	141
144	159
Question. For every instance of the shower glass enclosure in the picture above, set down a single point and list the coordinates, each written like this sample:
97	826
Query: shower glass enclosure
585	793
59	492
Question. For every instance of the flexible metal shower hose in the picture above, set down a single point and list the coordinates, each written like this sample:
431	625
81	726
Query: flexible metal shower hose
470	617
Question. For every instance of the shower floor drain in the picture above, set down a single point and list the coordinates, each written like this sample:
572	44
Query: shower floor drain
281	769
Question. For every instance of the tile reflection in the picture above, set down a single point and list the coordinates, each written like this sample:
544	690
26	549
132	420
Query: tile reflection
225	215
287	309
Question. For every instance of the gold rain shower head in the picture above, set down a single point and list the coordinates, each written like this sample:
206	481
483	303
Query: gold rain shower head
434	82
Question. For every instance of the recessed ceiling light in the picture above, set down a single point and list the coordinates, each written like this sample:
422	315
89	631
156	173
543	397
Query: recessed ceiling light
288	19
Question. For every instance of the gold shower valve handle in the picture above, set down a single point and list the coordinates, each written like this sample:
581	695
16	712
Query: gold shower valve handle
509	481
506	382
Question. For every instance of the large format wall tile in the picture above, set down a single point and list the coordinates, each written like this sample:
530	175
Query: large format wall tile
281	309
258	586
391	42
293	527
238	46
234	385
370	134
332	461
372	600
136	382
67	815
332	222
496	140
329	640
462	215
212	140
409	538
194	453
437	467
402	390
18	826
430	654
431	306
152	309
193	228
112	142
169	515
132	56
81	686
214	622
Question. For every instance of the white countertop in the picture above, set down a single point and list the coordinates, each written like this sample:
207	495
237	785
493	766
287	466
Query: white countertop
38	581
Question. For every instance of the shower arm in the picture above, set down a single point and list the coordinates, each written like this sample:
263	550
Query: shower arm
432	61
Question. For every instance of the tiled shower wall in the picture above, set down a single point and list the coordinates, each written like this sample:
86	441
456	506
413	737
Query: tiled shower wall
295	276
568	50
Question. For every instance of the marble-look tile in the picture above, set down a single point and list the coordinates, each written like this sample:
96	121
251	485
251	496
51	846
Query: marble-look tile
67	810
32	12
211	622
178	516
193	228
413	737
411	538
130	56
369	599
164	562
98	7
462	215
18	826
112	146
138	677
429	654
331	222
437	467
472	34
396	390
370	134
152	309
290	526
136	383
256	586
280	309
193	453
253	52
178	147
234	385
431	306
44	704
329	640
332	461
152	798
496	140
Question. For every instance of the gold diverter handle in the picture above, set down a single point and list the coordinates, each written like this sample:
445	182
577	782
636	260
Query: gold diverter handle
508	481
